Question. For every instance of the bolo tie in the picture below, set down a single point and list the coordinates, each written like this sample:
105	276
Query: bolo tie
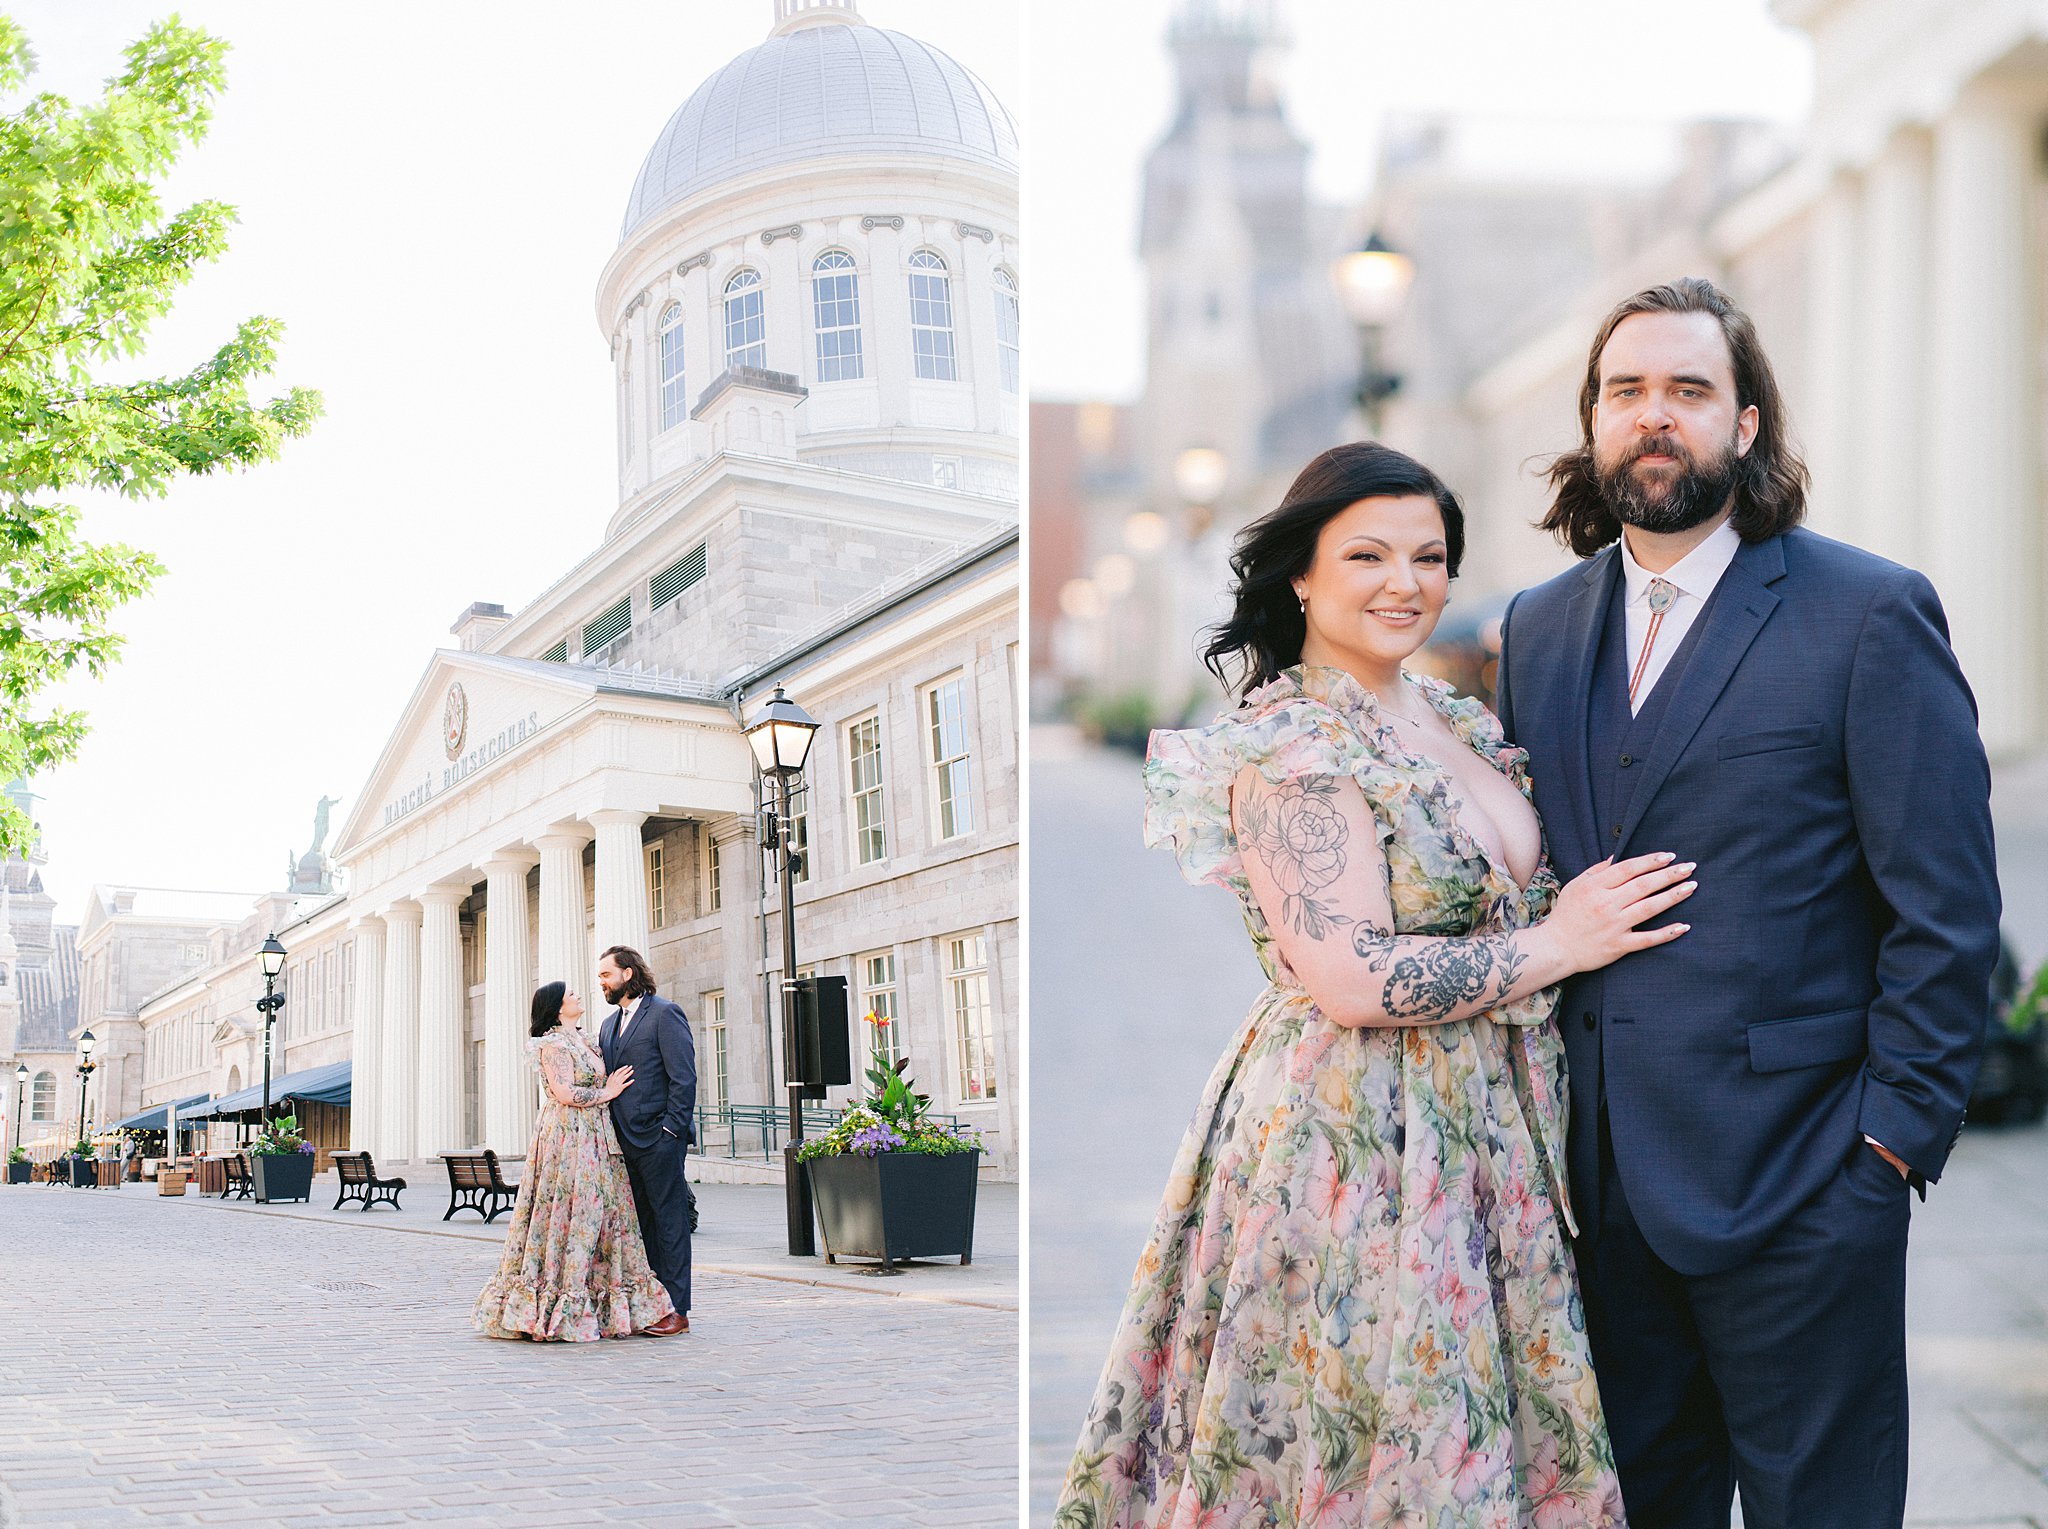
1663	595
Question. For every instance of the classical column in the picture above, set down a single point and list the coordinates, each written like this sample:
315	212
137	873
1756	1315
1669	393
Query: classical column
441	1027
400	1069
564	936
1982	487
1891	437
369	1105
1836	317
508	1103
621	881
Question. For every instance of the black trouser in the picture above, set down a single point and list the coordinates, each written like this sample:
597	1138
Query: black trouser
1785	1375
662	1198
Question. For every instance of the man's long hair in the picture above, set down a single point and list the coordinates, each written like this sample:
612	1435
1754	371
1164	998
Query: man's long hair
1770	482
626	958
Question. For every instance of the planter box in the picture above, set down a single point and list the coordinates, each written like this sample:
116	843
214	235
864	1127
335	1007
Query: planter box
170	1181
84	1173
896	1205
282	1177
21	1173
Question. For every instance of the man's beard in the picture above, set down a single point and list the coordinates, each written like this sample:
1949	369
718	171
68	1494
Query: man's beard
1695	495
611	994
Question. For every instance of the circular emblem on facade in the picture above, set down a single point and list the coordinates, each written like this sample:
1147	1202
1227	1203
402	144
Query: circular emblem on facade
455	720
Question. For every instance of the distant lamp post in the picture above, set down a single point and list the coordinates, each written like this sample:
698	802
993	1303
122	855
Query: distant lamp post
20	1084
780	737
1199	476
1373	282
272	959
85	1069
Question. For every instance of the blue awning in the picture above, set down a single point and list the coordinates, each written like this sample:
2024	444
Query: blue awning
312	1085
152	1119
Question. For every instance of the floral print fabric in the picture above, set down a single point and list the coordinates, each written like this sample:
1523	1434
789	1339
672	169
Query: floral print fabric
574	1266
1357	1306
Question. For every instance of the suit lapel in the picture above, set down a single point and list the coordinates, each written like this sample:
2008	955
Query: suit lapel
1582	624
1742	603
608	1040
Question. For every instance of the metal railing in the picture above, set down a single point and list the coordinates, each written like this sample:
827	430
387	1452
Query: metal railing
734	1126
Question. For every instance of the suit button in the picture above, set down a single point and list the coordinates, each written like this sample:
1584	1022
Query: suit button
1587	1019
1627	760
1617	830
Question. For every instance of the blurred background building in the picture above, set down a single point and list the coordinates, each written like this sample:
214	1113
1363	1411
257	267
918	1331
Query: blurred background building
1890	249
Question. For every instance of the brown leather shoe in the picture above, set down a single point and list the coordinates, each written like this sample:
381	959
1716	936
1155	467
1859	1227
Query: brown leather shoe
675	1322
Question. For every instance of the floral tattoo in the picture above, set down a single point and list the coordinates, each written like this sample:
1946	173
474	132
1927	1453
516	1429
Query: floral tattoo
1296	829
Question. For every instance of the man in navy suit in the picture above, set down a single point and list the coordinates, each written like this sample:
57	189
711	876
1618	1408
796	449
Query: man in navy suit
654	1116
1751	1100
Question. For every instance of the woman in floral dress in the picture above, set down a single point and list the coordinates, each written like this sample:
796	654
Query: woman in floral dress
575	1267
1358	1305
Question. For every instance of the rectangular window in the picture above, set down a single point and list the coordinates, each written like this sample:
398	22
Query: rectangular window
677	577
657	889
42	1098
967	997
952	773
864	764
931	319
800	829
878	997
714	891
835	308
718	1056
612	624
1009	332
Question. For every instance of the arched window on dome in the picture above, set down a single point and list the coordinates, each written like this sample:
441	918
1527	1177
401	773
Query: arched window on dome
931	318
746	322
835	309
675	407
1009	330
42	1097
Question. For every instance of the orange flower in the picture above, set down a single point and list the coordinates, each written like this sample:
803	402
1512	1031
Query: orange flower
879	1021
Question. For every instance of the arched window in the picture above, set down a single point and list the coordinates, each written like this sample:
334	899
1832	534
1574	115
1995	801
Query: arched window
835	309
746	323
1009	330
674	408
42	1097
931	318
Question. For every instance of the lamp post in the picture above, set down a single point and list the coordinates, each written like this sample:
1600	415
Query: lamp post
85	1067
20	1084
272	958
1373	282
781	739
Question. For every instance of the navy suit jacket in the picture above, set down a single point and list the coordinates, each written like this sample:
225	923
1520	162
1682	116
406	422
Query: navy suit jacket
662	1098
1820	760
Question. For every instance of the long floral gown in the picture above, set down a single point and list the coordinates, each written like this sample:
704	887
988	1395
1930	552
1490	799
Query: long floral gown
1358	1305
575	1267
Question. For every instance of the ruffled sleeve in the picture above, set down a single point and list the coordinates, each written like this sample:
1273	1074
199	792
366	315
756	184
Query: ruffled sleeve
1286	736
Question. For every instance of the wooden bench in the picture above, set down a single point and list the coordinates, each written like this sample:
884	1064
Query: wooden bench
475	1183
359	1181
241	1183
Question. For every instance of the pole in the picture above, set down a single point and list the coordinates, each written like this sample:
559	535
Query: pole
84	1072
802	1239
269	1018
17	1114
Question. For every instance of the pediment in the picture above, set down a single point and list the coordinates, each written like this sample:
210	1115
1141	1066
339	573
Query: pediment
230	1028
469	711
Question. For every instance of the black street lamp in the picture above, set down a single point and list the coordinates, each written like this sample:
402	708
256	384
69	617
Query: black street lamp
85	1067
1373	282
272	957
20	1083
781	739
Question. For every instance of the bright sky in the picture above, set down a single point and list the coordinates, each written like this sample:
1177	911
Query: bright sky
427	194
1098	110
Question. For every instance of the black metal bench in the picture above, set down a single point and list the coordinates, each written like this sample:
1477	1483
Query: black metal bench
475	1183
359	1181
240	1181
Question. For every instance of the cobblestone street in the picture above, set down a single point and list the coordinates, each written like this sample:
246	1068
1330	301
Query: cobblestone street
167	1362
1147	977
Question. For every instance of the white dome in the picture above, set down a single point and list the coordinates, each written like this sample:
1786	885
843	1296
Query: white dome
819	91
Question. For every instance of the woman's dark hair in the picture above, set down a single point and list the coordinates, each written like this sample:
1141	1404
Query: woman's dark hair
1770	481
547	1006
1264	632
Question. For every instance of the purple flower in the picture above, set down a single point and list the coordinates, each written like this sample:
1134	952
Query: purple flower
876	1138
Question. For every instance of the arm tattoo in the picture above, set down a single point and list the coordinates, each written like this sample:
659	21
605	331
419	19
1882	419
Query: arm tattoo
1429	979
1296	829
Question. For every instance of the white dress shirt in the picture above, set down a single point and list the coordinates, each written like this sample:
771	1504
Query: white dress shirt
627	1008
1695	576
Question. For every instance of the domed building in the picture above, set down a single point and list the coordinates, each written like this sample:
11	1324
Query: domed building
813	320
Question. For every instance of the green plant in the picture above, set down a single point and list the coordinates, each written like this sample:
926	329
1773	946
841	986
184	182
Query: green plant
82	1147
2031	1007
16	1155
280	1138
894	1119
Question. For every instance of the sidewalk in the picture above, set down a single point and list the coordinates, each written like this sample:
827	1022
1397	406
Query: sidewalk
742	1230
